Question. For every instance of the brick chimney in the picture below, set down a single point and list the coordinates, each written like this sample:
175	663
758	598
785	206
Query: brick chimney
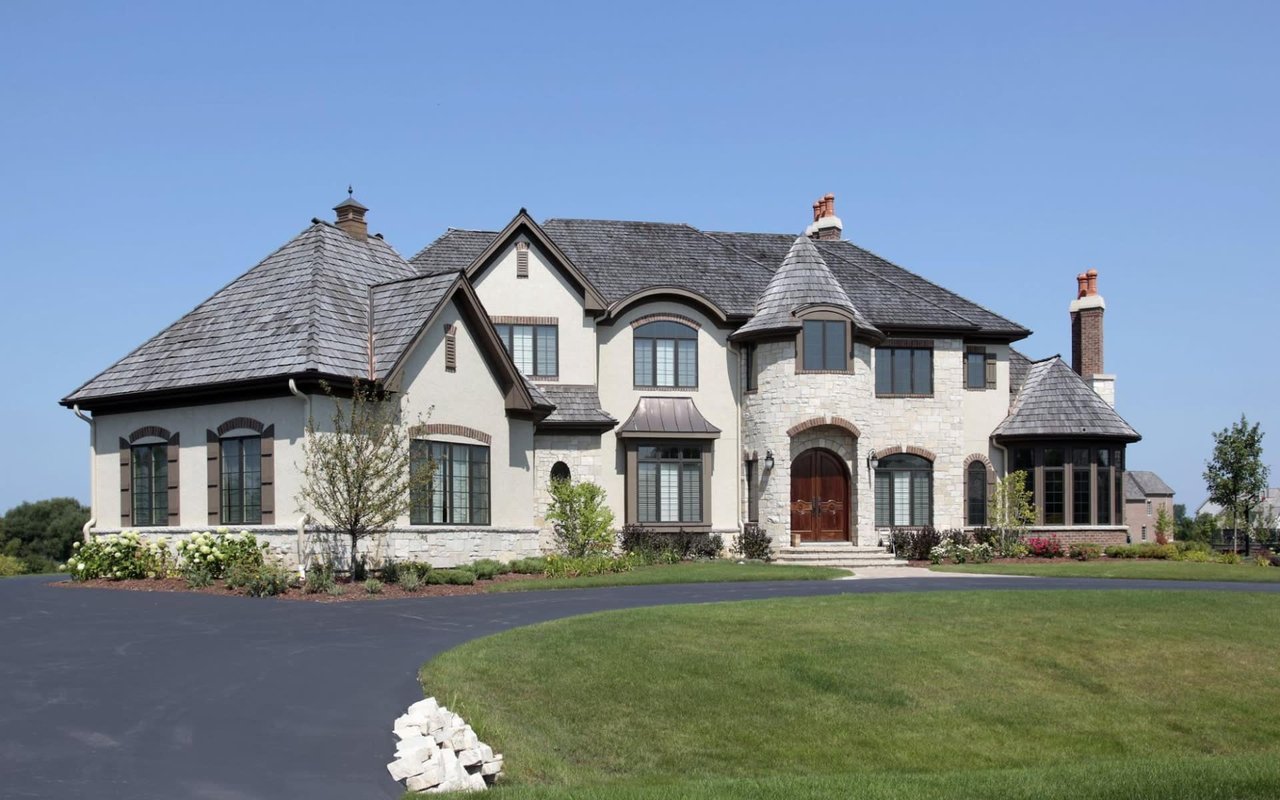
1086	336
826	225
351	218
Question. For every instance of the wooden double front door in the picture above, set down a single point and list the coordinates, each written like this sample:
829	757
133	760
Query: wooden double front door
819	497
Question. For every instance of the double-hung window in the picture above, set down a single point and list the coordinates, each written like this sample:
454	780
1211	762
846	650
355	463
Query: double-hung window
825	345
534	348
904	371
669	484
458	490
150	484
241	485
666	355
904	492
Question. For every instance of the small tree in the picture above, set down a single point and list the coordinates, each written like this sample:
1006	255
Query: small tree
1235	474
582	522
1164	525
1012	512
357	478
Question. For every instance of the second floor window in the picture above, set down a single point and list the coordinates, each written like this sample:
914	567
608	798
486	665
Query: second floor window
979	369
904	371
824	345
534	348
242	481
150	484
666	354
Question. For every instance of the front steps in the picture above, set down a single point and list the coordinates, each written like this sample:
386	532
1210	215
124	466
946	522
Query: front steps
838	554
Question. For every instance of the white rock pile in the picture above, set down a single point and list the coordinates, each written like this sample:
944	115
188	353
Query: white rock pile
436	751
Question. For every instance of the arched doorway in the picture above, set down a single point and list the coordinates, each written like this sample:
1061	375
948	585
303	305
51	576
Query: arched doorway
819	497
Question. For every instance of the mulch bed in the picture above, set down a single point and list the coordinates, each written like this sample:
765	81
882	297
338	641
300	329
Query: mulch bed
350	591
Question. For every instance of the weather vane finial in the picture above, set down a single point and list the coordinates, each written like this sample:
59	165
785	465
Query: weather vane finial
349	190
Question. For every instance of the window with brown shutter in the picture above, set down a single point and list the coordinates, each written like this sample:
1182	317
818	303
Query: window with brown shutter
241	473
522	259
450	348
979	368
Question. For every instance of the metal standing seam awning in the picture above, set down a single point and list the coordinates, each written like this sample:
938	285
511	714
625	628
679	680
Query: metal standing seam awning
667	418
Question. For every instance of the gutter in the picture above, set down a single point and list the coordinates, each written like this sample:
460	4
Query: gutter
93	471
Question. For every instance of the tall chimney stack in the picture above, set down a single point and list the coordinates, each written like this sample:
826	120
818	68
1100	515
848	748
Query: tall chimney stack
826	225
1086	336
351	218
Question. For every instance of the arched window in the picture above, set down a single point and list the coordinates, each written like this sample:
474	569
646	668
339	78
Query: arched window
904	492
976	494
666	354
560	471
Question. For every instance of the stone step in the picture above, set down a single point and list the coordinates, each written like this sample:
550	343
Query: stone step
843	563
793	552
832	548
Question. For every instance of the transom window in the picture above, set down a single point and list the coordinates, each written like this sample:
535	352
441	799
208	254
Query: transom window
242	480
534	348
904	370
458	492
669	484
825	346
904	492
150	484
666	354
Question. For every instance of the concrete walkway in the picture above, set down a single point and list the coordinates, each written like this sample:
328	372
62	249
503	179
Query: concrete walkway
140	695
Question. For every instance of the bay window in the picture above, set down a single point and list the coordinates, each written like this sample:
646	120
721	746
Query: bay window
669	484
1073	484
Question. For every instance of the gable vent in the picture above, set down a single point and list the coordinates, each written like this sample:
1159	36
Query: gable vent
450	348
522	259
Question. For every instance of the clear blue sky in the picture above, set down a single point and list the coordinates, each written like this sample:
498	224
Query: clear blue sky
150	152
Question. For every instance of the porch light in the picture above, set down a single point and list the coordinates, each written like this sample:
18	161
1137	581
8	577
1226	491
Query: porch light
768	459
872	461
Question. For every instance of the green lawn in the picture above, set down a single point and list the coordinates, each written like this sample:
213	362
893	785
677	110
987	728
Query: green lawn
694	572
1128	568
953	694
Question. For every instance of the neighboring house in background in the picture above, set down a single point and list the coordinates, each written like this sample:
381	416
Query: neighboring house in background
1144	495
708	380
1270	505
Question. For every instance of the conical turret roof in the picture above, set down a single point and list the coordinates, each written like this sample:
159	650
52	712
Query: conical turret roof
803	281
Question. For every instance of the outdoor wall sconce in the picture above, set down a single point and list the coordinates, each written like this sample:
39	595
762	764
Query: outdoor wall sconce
768	460
872	461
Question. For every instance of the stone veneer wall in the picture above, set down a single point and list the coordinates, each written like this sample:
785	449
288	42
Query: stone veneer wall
785	398
580	452
1068	536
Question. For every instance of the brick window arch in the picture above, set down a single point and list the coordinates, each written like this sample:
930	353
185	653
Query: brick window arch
241	473
149	489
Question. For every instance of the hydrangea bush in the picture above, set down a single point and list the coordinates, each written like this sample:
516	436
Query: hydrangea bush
215	554
126	555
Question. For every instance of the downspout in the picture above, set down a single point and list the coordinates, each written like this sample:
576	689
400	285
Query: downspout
93	471
305	518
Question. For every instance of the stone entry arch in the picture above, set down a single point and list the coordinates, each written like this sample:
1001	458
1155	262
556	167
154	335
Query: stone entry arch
819	497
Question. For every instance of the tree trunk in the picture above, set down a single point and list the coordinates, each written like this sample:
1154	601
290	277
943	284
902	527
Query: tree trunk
354	539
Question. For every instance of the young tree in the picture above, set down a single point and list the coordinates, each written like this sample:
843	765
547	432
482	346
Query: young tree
583	523
1012	512
1235	474
1164	525
356	478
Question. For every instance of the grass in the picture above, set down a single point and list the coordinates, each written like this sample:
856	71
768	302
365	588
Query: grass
1151	569
691	572
951	694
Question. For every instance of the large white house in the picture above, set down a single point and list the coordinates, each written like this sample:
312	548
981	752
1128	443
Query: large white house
707	380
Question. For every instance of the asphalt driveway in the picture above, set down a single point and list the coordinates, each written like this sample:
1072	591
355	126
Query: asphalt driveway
115	694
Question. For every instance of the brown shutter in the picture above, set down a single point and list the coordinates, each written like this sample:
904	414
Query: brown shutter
126	483
171	454
268	445
450	348
522	259
991	370
213	451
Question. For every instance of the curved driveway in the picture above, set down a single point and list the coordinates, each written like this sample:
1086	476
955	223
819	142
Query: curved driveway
140	695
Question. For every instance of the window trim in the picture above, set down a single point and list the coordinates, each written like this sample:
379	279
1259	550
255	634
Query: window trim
825	316
632	511
637	337
508	342
160	447
429	489
1112	475
886	349
213	461
974	464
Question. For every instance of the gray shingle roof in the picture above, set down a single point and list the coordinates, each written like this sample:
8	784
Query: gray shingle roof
452	252
400	309
802	280
1055	401
304	307
576	404
1140	484
667	416
1019	366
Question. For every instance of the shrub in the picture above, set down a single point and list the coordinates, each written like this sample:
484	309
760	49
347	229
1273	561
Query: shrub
389	571
1121	551
11	566
753	544
1017	549
1197	556
410	582
486	569
373	586
1190	546
1045	547
685	545
949	550
583	524
1262	561
1084	551
529	566
320	578
263	580
915	544
568	567
454	577
119	556
198	578
218	553
359	570
420	568
1230	558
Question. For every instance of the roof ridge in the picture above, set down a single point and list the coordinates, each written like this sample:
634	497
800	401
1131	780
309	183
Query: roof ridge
619	221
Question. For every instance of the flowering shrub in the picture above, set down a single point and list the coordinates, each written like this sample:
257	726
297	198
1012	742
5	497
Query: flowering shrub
962	553
215	554
119	556
1045	547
